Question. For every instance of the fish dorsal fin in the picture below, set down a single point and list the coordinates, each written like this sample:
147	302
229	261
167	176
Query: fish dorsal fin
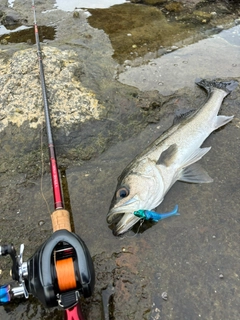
168	155
184	115
195	174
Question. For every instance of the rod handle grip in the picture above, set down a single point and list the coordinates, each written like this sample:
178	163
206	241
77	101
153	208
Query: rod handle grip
61	220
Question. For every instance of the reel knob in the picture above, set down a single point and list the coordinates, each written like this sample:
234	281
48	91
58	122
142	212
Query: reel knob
5	294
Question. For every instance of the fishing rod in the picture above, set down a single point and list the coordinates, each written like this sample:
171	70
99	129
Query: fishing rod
61	270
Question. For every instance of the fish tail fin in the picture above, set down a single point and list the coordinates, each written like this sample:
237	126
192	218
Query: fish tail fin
227	86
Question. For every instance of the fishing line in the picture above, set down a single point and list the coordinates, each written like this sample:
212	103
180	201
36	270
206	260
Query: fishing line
141	221
140	224
66	274
139	227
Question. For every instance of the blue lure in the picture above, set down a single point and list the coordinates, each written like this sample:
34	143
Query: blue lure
155	216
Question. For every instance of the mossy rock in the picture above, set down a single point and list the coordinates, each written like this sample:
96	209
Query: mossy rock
174	6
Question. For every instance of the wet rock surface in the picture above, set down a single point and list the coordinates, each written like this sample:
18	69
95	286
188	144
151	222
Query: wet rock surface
99	125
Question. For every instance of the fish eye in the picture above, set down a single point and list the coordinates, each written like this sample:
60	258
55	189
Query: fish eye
122	192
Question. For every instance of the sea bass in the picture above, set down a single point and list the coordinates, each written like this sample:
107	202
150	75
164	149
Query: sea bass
171	157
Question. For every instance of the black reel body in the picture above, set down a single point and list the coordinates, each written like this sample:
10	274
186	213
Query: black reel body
42	280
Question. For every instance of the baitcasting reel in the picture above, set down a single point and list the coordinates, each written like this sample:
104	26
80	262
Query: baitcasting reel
57	274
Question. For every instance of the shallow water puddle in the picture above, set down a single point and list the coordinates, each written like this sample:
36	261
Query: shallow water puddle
4	30
11	3
73	4
180	68
25	34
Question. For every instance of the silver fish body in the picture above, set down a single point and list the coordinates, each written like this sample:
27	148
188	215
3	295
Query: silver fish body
171	157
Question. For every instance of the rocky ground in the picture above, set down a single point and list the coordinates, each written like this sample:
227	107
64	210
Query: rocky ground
98	126
80	68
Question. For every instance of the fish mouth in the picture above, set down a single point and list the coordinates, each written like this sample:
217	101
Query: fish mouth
114	216
122	217
126	222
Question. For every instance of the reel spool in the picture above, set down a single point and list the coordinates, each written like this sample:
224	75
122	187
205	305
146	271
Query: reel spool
61	270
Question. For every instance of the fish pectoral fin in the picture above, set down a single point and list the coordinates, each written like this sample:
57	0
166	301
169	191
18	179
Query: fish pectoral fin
195	174
168	155
197	155
221	121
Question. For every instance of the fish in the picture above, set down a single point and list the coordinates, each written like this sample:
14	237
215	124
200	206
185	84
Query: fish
171	157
